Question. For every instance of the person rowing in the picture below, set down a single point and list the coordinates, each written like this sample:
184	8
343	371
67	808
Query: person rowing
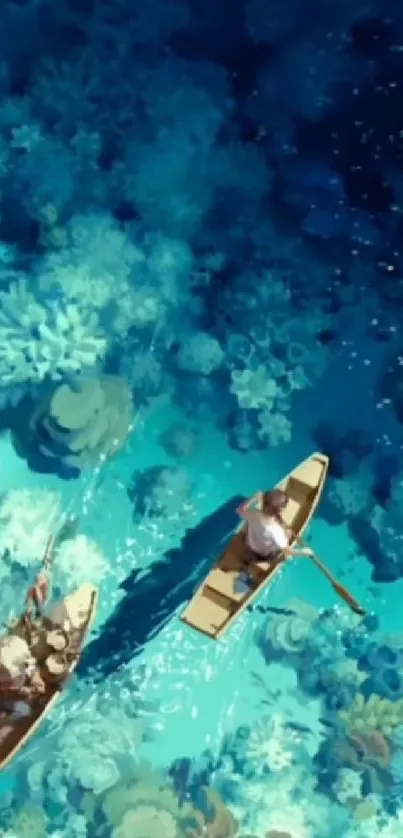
266	535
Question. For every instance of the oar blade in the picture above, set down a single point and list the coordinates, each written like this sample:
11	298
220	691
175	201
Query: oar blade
344	594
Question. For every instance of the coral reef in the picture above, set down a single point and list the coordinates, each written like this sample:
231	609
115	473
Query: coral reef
381	664
358	756
289	633
28	518
313	643
200	215
149	806
375	714
44	342
79	560
266	748
30	822
160	492
79	426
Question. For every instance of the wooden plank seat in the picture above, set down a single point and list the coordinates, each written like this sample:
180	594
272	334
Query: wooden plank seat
224	582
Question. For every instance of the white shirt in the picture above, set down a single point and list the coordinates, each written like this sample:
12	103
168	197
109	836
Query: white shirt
264	536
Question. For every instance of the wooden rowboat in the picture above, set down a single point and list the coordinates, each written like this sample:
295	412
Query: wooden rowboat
216	603
56	643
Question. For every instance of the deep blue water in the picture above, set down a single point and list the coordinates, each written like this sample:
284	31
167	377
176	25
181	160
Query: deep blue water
201	282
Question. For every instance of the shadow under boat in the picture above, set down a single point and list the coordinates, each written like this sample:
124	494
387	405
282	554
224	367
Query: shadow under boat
150	601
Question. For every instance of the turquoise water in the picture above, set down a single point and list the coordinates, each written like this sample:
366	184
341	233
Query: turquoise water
201	284
231	718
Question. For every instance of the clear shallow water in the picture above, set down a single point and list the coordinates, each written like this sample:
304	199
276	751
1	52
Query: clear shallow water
173	702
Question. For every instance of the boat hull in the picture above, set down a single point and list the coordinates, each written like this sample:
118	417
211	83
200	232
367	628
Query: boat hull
217	604
70	619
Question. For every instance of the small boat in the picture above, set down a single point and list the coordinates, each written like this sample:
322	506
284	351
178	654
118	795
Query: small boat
218	602
56	643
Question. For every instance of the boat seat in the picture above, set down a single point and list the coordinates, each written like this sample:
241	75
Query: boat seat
291	513
309	473
209	613
223	582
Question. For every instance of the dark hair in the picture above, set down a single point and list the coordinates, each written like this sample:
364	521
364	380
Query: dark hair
274	502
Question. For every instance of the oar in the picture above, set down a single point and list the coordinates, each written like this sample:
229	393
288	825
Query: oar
48	557
341	591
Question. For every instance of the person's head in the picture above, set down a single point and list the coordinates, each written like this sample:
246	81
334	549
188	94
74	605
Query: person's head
274	502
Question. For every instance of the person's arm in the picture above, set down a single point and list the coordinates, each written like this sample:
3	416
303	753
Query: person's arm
247	504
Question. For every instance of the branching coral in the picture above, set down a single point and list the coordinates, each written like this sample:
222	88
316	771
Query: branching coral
254	389
38	341
275	428
375	714
268	747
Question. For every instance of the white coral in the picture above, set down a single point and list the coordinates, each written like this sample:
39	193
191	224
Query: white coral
79	560
38	341
348	785
70	342
254	389
94	269
275	428
266	747
28	517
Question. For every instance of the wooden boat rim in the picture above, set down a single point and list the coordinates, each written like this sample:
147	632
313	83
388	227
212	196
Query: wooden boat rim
213	594
72	666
